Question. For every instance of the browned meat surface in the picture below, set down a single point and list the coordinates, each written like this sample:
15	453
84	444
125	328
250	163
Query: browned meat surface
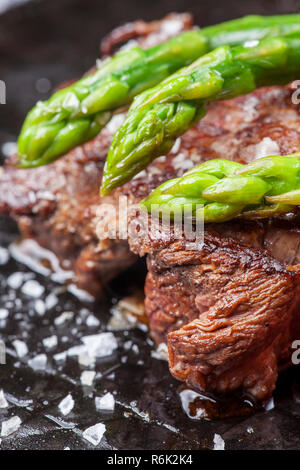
57	204
225	310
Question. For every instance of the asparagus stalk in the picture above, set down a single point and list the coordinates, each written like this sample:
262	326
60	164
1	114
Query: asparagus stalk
159	115
266	187
78	113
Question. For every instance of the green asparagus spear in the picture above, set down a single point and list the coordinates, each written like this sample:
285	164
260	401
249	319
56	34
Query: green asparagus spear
159	115
76	114
219	190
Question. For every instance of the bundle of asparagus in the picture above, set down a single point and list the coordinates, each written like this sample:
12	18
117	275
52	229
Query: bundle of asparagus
225	189
76	114
158	116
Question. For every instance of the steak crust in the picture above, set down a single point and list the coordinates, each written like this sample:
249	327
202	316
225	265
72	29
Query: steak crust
225	311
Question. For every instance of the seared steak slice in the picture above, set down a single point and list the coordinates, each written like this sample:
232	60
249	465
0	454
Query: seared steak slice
225	311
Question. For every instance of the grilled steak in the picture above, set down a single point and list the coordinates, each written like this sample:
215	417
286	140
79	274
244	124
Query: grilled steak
227	309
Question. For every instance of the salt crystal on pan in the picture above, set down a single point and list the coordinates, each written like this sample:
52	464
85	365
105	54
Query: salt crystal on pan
50	342
4	255
59	357
3	401
33	288
40	307
219	443
101	345
20	347
66	405
10	426
65	316
92	321
38	362
85	360
51	300
94	434
87	377
161	352
3	313
15	280
269	405
107	402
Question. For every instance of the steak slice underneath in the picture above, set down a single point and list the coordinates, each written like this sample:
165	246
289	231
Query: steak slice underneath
226	312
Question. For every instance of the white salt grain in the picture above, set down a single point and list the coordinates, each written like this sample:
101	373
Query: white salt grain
101	345
3	401
63	318
40	307
4	255
3	313
15	280
94	434
20	347
85	360
107	402
33	288
87	377
10	426
66	405
219	443
161	352
92	321
50	342
38	362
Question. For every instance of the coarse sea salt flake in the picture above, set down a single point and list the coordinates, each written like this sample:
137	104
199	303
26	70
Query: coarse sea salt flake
94	434
66	405
101	345
87	377
107	402
3	313
63	318
50	342
20	347
10	426
3	401
38	362
15	280
4	255
33	288
219	443
92	321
